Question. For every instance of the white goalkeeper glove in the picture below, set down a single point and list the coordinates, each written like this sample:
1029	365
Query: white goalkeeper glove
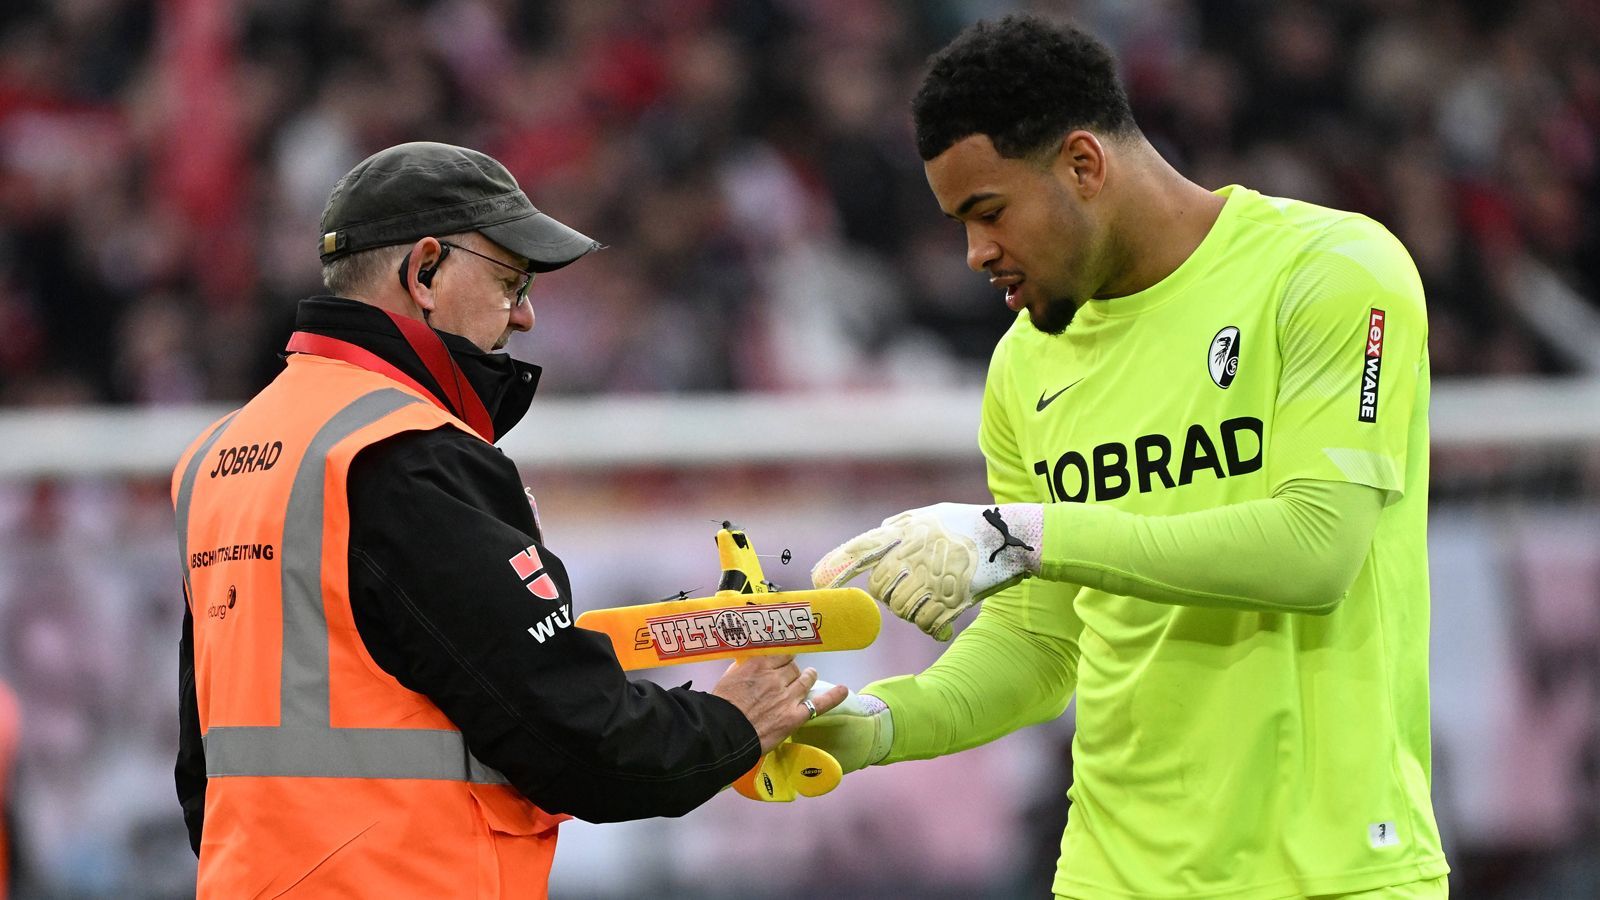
858	732
929	565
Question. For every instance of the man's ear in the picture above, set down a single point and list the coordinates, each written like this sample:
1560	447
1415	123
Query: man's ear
417	270
1080	164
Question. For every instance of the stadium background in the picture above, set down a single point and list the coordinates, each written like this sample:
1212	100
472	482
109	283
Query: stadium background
782	333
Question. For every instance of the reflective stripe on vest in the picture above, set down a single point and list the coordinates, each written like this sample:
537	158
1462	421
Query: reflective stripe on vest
305	743
186	491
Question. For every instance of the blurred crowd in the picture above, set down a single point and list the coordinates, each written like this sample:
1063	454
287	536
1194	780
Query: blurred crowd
163	166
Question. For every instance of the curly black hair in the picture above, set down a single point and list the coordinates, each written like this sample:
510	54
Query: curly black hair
1023	81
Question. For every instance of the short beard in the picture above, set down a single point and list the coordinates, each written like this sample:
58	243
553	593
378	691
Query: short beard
1056	315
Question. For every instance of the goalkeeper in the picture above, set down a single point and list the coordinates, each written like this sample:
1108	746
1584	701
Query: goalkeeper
1206	437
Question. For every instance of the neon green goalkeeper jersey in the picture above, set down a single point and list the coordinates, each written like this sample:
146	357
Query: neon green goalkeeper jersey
1221	753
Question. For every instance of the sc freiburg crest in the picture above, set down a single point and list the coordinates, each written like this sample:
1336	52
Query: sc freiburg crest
1223	360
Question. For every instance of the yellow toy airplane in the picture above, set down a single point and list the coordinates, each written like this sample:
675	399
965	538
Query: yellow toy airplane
747	616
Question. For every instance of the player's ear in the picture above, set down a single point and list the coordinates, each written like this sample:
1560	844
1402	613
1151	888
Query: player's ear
1080	163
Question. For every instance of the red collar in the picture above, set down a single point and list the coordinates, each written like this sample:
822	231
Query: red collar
464	402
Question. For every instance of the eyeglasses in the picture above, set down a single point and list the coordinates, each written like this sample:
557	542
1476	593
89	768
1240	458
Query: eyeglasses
527	276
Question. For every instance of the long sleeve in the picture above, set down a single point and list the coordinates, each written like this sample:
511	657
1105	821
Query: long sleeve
1297	551
998	676
438	524
1014	666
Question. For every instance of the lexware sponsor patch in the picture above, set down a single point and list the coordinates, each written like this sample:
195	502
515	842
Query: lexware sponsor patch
1371	365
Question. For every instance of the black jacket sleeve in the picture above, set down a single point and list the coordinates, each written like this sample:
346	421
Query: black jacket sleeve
190	772
437	520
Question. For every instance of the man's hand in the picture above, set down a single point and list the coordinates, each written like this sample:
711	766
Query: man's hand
770	691
929	565
858	732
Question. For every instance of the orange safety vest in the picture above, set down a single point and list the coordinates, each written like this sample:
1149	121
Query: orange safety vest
325	777
8	755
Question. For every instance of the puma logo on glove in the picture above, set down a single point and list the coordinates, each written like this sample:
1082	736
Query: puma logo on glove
992	516
930	565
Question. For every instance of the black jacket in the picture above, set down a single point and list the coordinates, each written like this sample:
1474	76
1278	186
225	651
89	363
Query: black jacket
435	518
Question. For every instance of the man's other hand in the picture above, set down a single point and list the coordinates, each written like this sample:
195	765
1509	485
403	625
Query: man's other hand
930	565
770	691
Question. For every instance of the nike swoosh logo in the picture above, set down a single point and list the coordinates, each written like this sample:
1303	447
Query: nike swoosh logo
1046	401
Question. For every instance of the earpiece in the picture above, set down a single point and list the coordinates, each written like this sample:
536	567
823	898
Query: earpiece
424	274
405	265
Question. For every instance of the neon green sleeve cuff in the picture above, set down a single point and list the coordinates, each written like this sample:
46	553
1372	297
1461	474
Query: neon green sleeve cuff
1297	551
995	678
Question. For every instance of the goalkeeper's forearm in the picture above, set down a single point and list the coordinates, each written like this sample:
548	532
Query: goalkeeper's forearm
995	678
1297	551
